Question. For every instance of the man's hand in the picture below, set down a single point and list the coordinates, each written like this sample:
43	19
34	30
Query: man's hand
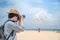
21	20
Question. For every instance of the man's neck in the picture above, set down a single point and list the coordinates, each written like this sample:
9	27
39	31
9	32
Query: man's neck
12	20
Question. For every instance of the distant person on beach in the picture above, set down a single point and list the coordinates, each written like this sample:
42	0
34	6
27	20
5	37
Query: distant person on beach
38	29
15	21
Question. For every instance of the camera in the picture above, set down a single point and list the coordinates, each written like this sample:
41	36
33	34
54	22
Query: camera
23	16
20	17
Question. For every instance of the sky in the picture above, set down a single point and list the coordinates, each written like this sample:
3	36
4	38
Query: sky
49	10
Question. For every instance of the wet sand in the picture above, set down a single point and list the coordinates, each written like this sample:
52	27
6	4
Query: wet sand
35	35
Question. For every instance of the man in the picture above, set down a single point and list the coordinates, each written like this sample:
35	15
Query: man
14	23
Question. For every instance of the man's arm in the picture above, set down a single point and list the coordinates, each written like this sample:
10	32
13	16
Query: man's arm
14	27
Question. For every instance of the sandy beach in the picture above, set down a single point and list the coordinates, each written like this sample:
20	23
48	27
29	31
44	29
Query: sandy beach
35	35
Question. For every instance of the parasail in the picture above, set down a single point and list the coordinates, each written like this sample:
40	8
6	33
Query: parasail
40	16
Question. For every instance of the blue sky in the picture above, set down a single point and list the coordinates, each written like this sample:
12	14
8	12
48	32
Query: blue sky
32	7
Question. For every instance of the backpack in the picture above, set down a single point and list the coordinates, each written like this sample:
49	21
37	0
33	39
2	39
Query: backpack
2	36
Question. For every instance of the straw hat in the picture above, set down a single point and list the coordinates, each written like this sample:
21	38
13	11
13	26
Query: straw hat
14	11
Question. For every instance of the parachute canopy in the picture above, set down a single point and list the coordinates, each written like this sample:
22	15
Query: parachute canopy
41	16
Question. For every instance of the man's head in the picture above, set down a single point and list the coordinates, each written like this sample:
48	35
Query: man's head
13	14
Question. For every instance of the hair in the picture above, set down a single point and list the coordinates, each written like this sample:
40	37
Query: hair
11	15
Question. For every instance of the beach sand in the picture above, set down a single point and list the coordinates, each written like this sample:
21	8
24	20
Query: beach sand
35	35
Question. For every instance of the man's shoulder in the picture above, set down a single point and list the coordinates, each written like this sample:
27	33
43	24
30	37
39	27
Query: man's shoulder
10	22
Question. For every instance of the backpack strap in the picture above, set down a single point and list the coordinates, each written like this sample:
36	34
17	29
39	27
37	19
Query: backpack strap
4	24
11	32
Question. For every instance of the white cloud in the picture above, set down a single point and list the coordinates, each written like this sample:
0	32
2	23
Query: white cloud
37	1
27	9
51	20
